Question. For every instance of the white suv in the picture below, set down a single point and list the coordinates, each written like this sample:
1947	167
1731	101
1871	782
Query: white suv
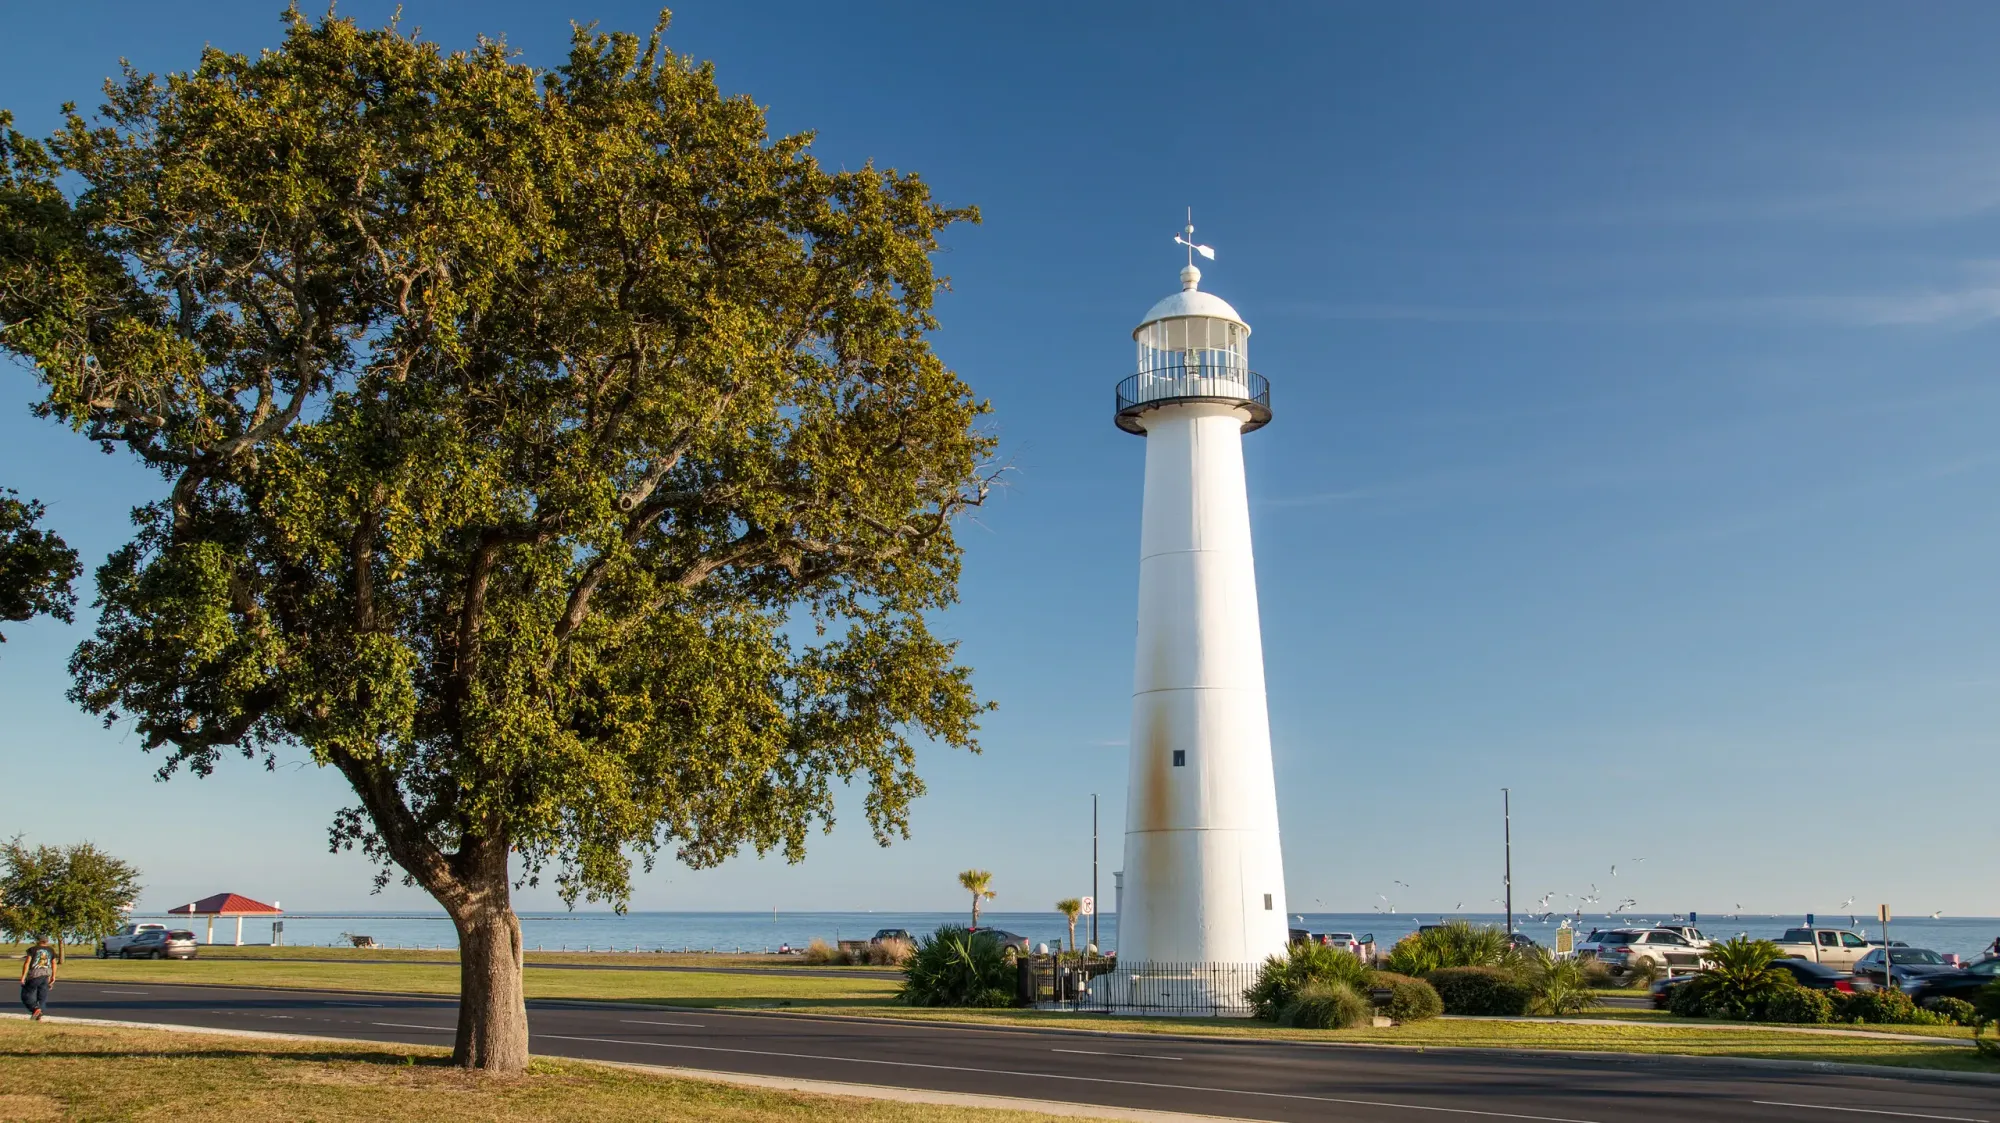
1629	949
117	942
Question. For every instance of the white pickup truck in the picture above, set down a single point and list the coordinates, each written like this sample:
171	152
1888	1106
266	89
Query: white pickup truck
1835	947
116	942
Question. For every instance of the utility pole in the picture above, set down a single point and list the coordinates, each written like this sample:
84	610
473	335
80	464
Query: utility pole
1507	826
1094	906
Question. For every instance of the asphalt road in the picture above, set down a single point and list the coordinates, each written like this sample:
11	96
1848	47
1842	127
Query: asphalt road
1252	1080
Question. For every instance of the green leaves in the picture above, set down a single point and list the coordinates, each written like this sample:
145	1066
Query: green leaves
36	567
555	454
71	893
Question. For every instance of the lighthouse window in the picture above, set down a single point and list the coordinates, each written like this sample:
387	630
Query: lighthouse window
1267	902
1180	757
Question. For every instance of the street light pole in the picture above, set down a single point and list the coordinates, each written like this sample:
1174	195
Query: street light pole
1094	906
1507	826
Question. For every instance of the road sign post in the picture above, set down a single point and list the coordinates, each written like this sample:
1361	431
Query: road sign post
1888	958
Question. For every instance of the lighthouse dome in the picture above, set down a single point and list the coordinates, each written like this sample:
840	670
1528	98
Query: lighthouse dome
1191	301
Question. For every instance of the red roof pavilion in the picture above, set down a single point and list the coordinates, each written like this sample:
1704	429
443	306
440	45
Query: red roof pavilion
226	904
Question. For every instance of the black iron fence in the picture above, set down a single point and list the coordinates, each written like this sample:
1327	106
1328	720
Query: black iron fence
1234	385
1206	989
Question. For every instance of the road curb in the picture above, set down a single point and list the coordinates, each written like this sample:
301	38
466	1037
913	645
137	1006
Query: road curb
713	1076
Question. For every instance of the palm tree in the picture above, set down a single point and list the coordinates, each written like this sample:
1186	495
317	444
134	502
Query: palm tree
1071	908
976	882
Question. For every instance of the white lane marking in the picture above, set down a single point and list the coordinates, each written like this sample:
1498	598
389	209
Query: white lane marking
1102	1053
108	990
1870	1111
683	1025
376	1005
406	1025
1077	1079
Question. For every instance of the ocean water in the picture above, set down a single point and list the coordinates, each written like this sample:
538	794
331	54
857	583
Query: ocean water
769	931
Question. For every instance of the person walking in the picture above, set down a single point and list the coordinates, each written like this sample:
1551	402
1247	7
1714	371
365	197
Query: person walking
38	974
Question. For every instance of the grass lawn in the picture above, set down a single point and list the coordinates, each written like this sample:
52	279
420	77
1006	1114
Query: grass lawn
53	1071
450	955
1935	1050
682	988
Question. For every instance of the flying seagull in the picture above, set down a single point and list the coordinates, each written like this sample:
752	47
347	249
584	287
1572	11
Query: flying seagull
1848	903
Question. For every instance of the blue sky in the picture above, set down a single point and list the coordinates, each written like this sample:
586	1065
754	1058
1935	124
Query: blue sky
1635	440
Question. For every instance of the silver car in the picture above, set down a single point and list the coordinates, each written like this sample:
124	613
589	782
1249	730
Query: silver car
160	943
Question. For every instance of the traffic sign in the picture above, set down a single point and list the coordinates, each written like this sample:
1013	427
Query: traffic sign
1089	906
1882	913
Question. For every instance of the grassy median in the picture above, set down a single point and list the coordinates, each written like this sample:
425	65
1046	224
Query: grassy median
55	1071
1941	1048
683	988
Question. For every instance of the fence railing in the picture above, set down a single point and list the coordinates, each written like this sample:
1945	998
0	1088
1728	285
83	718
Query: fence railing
1207	989
1235	385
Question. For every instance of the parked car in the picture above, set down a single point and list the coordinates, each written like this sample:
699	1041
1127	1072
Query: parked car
1687	932
1903	967
1629	949
888	934
1810	975
1007	939
1962	983
1521	941
1834	947
160	943
116	942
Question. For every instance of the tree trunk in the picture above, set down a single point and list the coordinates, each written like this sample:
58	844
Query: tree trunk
492	1013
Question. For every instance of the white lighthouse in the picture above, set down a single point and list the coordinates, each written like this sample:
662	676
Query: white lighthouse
1204	878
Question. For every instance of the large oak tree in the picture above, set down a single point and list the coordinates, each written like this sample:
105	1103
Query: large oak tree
555	454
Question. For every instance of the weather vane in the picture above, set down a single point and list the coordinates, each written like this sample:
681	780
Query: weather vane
1193	247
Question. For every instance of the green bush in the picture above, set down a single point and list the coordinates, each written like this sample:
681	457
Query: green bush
1281	977
1738	981
1685	1000
1986	1011
1558	986
1326	1004
1888	1008
954	967
1799	1006
1480	990
1456	944
1410	1000
1958	1010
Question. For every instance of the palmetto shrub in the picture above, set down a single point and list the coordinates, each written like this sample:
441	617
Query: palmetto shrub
1326	1004
1281	977
1737	982
1456	944
1480	990
954	967
1558	986
1410	1000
